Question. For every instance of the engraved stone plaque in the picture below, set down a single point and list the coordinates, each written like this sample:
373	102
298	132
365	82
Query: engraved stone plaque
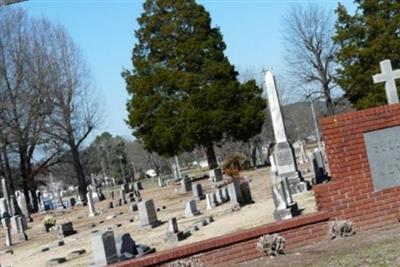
383	150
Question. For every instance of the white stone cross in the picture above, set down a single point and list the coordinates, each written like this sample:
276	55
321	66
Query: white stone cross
388	76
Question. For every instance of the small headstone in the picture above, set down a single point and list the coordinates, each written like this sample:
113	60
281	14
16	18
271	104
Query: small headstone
216	175
173	234
110	205
103	247
318	165
225	193
234	193
147	214
191	209
144	250
186	185
197	191
72	201
67	229
6	226
246	192
133	207
218	196
4	212
125	245
90	202
122	196
23	206
211	201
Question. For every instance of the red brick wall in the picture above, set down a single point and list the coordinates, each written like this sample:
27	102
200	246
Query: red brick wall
241	246
350	194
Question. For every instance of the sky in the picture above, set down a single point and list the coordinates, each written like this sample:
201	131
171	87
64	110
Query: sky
104	30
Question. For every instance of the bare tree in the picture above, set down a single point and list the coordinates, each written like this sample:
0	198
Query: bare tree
310	52
75	110
24	86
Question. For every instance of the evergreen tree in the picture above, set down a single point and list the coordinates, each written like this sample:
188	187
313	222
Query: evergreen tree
370	35
184	92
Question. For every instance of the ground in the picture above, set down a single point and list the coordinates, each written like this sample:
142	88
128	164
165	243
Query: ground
380	247
29	253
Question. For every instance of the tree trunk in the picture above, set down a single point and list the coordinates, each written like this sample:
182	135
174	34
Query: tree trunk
211	158
79	171
328	100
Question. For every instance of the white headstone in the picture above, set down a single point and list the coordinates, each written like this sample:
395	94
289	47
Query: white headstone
92	209
389	77
191	209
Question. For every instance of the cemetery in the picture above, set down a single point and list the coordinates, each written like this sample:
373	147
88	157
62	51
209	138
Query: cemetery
223	169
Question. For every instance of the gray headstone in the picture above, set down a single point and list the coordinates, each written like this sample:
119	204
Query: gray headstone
246	192
125	246
173	225
23	206
318	165
235	195
215	175
122	195
91	206
4	212
17	224
6	226
186	184
5	193
211	201
67	229
197	191
103	247
147	214
191	208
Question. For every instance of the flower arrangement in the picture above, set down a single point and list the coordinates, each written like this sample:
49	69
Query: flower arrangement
49	221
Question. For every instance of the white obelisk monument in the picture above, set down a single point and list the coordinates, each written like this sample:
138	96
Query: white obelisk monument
284	157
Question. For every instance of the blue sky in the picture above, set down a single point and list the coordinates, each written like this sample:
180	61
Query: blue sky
104	30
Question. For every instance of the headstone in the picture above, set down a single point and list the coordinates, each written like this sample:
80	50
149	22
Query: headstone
72	201
318	164
5	193
235	195
197	191
138	186
103	247
161	182
303	154
173	234
14	206
125	187
225	193
101	195
177	167
122	196
389	77
133	207
17	224
191	209
6	226
110	205
283	151
23	206
246	192
4	212
186	184
147	214
285	207
211	201
218	196
215	174
92	208
67	229
126	246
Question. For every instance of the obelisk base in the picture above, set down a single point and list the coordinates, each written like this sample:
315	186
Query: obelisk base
290	212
